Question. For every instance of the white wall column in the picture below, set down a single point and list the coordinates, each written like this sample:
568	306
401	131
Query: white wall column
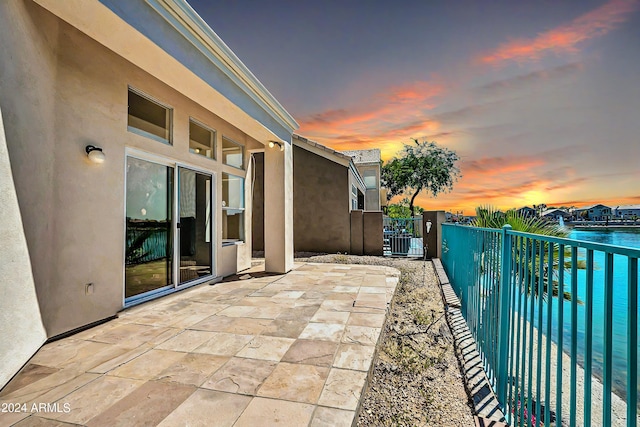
278	208
21	329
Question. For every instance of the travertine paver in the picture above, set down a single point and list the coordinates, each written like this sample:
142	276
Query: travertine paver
255	349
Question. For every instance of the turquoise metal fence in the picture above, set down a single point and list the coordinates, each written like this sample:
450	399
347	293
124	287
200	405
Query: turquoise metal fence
546	366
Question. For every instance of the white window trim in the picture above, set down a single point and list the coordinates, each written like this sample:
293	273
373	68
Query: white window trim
215	139
161	104
242	147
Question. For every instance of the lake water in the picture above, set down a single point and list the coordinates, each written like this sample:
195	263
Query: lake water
628	238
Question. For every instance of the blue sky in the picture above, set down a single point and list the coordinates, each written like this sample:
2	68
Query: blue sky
541	99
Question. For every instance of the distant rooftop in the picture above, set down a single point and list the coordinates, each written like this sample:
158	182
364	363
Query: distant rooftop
311	143
364	156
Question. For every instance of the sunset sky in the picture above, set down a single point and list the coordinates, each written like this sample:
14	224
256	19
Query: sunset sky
541	99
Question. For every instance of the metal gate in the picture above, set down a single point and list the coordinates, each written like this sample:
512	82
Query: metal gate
403	236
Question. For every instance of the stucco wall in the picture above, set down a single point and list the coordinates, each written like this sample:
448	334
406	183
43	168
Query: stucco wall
73	92
320	203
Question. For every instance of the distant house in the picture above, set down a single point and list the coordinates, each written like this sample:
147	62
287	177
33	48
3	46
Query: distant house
526	212
593	212
627	211
555	214
327	186
368	164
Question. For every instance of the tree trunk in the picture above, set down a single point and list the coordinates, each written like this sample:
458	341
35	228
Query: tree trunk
412	199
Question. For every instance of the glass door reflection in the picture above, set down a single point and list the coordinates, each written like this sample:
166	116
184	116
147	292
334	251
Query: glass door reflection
149	230
194	211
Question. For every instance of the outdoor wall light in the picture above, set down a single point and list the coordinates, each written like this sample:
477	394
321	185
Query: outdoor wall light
428	226
274	143
95	154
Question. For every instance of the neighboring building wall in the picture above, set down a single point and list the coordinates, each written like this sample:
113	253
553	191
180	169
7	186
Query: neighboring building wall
368	164
321	197
60	91
320	201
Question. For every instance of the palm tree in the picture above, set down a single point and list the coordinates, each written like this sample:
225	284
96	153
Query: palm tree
489	217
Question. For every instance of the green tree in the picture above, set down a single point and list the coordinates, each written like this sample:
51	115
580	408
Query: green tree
402	209
423	166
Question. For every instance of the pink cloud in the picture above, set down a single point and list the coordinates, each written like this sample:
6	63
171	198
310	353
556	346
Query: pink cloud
566	38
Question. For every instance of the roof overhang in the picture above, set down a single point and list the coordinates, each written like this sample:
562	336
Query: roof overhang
169	40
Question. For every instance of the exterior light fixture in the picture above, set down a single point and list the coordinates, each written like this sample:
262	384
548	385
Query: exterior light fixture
274	143
95	154
428	226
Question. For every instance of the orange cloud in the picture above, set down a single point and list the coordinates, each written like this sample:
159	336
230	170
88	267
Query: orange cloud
391	116
566	38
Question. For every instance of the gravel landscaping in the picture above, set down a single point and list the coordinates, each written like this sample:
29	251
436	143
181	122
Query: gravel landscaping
416	379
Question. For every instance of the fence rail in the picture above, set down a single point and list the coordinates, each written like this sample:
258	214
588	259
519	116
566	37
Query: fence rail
403	236
541	310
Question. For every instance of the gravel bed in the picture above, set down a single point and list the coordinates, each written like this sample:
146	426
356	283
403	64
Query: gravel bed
416	379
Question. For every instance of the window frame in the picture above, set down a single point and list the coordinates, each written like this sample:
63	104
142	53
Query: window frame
214	137
142	132
242	150
241	209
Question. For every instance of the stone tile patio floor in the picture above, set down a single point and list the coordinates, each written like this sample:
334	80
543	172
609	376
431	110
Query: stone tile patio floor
253	350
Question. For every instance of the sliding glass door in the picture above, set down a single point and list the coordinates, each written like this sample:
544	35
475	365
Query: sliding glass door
194	208
149	228
168	228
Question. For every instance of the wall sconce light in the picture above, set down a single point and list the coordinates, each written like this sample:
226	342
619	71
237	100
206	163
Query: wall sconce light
428	226
274	143
95	154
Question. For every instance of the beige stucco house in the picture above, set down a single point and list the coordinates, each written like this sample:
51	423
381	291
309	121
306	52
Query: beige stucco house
368	164
126	135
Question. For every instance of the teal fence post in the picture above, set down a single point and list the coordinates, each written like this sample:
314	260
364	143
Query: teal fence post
502	374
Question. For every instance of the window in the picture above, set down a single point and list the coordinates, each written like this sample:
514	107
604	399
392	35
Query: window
149	118
232	153
354	197
370	179
202	140
232	208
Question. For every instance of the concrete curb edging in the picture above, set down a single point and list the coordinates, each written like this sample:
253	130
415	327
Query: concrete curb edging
485	403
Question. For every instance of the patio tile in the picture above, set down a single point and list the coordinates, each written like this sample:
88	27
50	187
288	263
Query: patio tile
224	344
237	311
247	326
266	312
323	331
266	348
193	369
186	341
34	421
363	335
337	305
311	352
146	405
30	374
372	290
205	408
58	354
296	382
213	323
302	313
147	365
121	359
354	356
343	389
94	398
133	334
284	328
373	320
331	417
242	376
40	387
329	316
269	412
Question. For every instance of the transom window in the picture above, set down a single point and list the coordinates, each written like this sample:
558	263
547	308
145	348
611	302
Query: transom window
202	140
148	117
232	153
232	208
